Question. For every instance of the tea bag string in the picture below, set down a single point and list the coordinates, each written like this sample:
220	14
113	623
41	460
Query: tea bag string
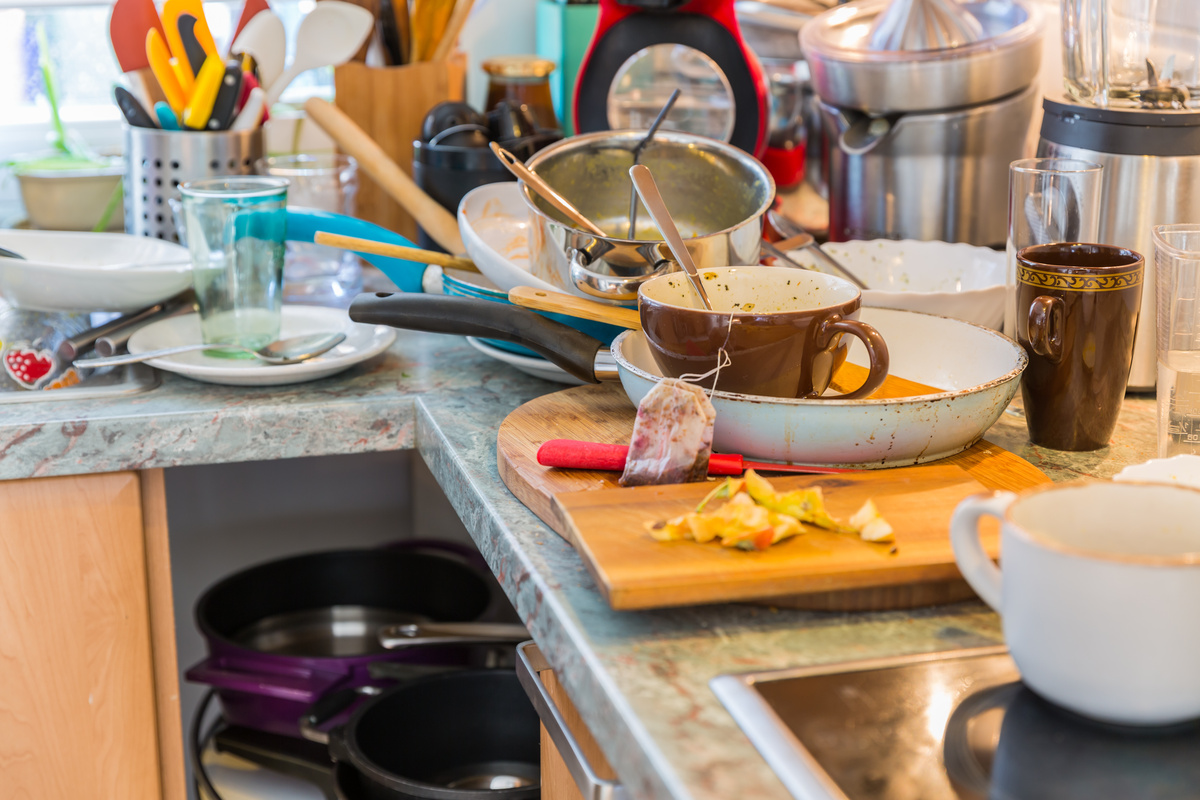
723	360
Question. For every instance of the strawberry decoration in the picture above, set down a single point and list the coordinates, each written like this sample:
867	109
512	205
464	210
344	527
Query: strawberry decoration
28	367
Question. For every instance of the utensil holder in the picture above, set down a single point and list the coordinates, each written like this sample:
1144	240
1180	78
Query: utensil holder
389	103
158	161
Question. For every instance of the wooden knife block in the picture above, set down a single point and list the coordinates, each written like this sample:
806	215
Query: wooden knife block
389	103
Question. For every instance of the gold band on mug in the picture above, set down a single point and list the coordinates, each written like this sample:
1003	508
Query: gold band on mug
1065	282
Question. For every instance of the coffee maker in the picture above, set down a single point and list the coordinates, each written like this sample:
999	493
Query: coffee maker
1132	104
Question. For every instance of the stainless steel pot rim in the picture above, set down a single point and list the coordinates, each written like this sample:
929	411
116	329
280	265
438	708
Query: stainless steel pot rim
814	43
618	355
632	137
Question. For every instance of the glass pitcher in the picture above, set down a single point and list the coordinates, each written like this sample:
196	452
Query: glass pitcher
1132	53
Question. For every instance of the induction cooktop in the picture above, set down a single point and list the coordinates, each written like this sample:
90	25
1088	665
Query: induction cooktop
948	726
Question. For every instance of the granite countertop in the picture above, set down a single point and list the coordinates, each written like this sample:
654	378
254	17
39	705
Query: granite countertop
639	679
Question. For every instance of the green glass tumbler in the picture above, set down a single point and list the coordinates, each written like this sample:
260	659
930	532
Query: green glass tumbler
236	229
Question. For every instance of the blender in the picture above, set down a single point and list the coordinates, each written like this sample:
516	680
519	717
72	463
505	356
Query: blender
1132	84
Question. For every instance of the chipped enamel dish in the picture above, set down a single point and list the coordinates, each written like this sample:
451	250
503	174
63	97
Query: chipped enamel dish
979	368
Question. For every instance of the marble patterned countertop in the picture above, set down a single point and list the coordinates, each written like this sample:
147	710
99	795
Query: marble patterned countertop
640	679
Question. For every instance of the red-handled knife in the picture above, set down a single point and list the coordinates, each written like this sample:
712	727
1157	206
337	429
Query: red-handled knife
572	454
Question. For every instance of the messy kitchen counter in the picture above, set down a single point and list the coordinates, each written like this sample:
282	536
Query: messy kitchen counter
639	679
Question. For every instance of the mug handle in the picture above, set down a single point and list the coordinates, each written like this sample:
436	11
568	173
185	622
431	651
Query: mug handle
975	565
1046	327
877	352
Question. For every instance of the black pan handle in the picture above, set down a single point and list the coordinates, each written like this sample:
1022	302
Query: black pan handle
570	349
326	708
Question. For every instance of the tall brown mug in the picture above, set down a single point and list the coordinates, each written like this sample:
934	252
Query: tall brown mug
1077	309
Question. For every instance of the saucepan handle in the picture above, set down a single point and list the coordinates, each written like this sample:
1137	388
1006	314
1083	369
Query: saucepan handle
396	637
328	707
877	353
570	349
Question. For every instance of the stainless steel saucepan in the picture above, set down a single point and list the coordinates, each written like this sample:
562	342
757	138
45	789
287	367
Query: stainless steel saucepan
979	369
717	194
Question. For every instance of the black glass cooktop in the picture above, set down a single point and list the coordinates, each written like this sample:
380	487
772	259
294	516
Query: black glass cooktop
955	726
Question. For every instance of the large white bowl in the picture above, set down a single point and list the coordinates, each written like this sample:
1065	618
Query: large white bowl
494	224
65	271
955	280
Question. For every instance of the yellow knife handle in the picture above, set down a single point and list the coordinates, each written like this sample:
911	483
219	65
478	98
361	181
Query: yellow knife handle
208	84
160	64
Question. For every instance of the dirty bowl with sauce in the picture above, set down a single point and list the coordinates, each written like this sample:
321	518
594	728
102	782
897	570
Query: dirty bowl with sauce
783	330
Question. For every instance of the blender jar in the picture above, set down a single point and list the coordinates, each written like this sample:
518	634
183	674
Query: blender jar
1132	53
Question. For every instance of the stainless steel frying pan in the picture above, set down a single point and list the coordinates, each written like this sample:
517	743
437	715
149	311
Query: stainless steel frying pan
979	368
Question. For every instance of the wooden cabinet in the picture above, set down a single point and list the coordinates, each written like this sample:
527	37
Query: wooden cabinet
89	708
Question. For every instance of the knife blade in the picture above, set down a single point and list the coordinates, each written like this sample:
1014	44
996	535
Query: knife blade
574	454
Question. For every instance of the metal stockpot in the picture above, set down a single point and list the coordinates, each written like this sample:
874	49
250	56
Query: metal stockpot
717	194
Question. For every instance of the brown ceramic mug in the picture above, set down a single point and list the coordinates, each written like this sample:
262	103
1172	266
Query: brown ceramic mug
1077	308
783	330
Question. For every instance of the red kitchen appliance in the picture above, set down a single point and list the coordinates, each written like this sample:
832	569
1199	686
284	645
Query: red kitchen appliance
644	49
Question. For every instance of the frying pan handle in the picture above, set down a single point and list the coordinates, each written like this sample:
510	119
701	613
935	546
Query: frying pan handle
395	637
877	352
329	707
303	224
570	349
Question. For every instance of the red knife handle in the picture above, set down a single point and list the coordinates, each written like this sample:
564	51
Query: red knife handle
572	454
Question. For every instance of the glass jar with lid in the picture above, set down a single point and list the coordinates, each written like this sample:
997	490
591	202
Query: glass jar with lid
1132	53
522	80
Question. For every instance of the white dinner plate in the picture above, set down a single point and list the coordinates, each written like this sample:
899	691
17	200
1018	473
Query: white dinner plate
362	342
74	271
536	366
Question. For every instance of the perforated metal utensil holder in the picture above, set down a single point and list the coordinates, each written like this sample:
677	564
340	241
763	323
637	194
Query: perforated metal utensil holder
158	161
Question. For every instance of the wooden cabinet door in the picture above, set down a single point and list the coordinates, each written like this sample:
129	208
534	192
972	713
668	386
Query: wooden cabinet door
77	705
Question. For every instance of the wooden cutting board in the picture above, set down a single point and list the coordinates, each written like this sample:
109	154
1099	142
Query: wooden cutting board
606	522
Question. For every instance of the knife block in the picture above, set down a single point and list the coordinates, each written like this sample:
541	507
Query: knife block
389	103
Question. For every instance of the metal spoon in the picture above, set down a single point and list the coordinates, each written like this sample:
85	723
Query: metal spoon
637	157
793	232
545	190
647	189
292	350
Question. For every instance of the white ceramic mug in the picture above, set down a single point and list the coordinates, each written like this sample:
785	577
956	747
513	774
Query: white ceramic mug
1099	594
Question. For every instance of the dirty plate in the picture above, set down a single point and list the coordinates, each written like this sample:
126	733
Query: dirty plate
494	224
362	342
69	271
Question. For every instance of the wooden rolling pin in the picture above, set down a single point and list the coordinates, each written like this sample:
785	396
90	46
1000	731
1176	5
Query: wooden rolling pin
848	378
439	223
394	251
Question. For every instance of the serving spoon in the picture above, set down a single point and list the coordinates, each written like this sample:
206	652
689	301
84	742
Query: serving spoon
545	190
292	350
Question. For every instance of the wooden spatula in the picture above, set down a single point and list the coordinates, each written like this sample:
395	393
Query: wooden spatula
848	377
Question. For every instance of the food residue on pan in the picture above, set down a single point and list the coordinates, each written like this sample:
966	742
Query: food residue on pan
756	516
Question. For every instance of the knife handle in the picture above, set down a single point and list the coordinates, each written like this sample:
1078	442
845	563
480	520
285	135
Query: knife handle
574	454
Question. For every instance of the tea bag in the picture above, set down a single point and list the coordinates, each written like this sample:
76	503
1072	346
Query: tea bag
672	436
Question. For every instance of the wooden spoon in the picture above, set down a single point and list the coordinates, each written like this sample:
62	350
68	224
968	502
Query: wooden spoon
395	251
848	378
